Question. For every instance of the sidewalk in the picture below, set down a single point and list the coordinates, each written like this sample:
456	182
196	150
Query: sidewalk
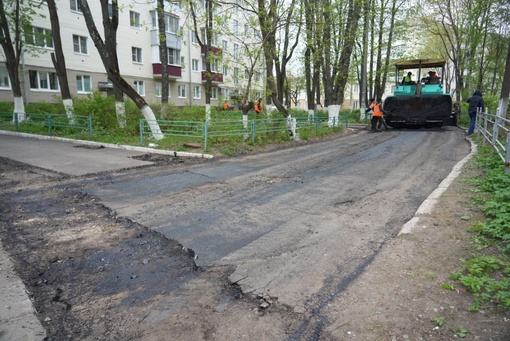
18	321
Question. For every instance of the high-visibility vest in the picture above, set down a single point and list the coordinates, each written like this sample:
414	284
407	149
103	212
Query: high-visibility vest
376	107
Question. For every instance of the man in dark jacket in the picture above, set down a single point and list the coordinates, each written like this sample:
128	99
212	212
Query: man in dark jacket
475	102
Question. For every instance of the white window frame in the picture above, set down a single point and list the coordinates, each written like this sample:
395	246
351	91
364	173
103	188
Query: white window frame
41	77
225	70
171	24
134	20
158	89
181	89
197	92
174	56
195	65
136	55
236	75
75	6
194	37
80	43
235	27
81	82
214	93
40	37
236	51
5	81
139	86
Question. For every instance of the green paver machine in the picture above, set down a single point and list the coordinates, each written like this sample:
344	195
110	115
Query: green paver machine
420	101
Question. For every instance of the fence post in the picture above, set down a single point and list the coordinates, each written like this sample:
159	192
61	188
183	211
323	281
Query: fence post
486	118
49	125
142	128
495	130
316	121
206	132
253	128
507	157
16	121
91	131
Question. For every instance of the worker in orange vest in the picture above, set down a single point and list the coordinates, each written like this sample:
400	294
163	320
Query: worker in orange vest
377	114
258	106
225	105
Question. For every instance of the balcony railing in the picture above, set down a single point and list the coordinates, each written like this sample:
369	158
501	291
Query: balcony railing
215	76
215	50
174	72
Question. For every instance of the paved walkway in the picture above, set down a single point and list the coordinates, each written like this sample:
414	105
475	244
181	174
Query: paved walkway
17	315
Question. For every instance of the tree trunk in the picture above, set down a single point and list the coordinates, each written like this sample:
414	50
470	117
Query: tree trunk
13	51
59	61
110	61
163	51
505	89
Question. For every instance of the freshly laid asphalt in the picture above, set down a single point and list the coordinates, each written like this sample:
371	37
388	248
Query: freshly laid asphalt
76	158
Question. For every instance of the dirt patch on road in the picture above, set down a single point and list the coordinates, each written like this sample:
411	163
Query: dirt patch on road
95	276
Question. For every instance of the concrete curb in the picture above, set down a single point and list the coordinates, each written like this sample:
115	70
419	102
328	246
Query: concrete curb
428	205
110	145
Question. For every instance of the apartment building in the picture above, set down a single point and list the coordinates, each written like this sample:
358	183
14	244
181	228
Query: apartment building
138	54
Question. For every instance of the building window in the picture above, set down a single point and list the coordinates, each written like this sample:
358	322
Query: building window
172	24
257	77
39	37
40	80
197	93
235	28
225	45
236	51
174	57
182	91
80	44
134	19
226	93
136	54
194	37
214	93
75	5
183	63
157	89
236	75
4	78
84	84
194	64
139	86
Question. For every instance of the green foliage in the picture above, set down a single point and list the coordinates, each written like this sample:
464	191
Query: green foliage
460	332
440	321
487	275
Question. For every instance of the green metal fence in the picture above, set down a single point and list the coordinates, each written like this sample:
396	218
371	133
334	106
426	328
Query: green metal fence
49	124
242	128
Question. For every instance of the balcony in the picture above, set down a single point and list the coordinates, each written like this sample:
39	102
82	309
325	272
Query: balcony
174	72
217	78
215	50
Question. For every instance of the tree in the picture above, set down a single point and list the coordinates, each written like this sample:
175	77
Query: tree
163	51
505	89
108	54
206	45
15	18
59	61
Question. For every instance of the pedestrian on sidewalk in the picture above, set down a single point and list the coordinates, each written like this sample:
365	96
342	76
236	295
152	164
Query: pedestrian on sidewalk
475	102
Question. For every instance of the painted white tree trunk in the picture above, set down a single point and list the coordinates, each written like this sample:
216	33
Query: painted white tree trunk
68	106
208	112
245	122
503	107
153	124
311	114
120	110
19	108
333	111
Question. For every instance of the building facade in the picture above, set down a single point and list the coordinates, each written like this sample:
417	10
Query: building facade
138	54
